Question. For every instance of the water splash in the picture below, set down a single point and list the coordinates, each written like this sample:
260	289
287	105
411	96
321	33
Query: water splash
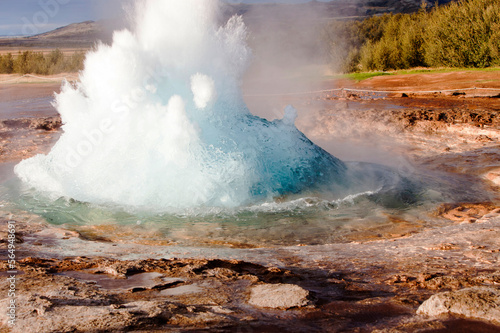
158	122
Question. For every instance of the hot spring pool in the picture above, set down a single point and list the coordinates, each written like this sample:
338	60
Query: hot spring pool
159	146
307	218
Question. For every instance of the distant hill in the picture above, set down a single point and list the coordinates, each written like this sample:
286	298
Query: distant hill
78	35
88	30
335	9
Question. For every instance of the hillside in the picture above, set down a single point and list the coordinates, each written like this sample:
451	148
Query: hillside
79	35
335	9
77	31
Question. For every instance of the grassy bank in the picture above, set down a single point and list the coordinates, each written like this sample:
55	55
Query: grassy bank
360	76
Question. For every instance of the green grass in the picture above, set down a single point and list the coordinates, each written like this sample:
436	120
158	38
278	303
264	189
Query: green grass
367	75
363	75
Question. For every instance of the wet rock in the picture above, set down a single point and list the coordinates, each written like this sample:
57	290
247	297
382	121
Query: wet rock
439	282
68	318
116	269
4	237
465	212
220	310
477	302
444	247
493	176
56	233
46	124
403	278
42	123
484	138
41	304
39	315
196	319
182	290
278	296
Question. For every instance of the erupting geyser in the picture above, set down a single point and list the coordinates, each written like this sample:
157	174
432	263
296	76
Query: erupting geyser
158	121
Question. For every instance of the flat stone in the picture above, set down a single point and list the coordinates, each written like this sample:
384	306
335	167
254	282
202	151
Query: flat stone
493	176
182	290
278	296
477	302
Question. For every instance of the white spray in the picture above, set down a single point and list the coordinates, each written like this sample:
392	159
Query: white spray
157	121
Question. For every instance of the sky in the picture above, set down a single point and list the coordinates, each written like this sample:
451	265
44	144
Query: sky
30	17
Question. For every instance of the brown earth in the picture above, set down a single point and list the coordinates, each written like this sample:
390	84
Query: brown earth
434	81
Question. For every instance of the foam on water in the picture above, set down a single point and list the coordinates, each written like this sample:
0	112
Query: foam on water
158	122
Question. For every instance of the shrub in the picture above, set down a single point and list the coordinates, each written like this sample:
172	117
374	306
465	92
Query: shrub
29	62
7	64
465	33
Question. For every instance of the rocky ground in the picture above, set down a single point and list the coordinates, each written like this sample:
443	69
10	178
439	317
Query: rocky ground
37	134
441	278
438	280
